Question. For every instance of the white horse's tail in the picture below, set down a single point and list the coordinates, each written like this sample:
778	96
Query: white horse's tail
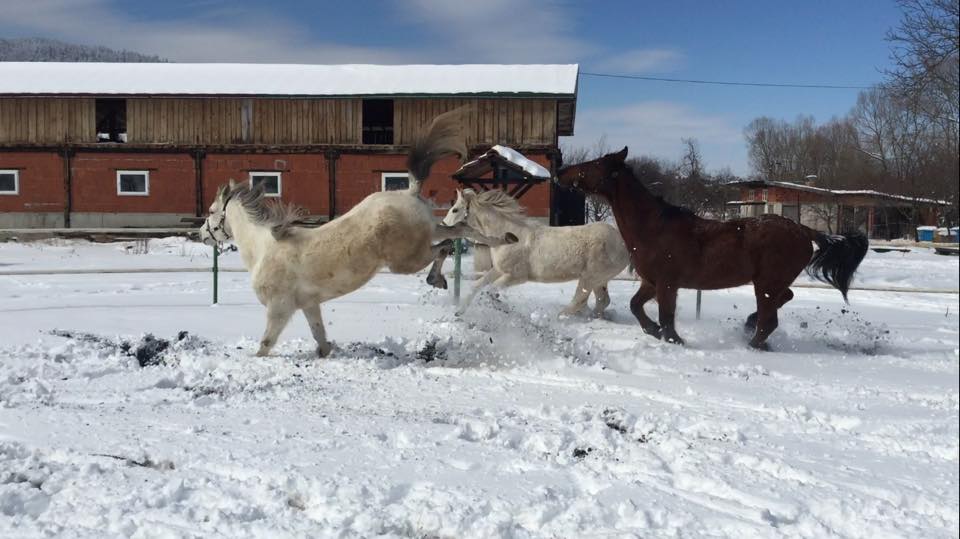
443	137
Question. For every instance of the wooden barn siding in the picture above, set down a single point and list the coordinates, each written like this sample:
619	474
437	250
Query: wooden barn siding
488	121
306	121
185	121
272	121
29	120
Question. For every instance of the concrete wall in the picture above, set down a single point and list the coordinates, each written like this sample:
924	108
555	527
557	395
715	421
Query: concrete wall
128	219
31	219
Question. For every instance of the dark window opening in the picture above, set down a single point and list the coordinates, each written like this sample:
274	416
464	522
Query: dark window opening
791	212
9	182
133	182
378	121
111	120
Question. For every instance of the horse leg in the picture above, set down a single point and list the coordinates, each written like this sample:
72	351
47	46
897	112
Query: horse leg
667	303
767	321
750	326
461	230
440	251
315	319
278	315
602	296
579	301
646	293
487	278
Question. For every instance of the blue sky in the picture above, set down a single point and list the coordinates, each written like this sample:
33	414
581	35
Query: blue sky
814	41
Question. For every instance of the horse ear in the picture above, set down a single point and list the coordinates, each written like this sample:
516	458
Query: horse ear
233	184
622	154
469	193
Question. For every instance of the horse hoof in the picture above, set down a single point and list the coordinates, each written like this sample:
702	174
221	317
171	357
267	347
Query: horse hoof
509	237
674	339
653	331
763	346
437	282
323	350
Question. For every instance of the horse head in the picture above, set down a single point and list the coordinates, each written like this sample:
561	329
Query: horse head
594	177
215	229
461	208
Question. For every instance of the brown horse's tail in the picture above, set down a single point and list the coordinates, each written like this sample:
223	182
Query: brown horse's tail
837	258
443	137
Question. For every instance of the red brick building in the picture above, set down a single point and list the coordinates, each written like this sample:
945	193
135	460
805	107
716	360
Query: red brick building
878	215
145	145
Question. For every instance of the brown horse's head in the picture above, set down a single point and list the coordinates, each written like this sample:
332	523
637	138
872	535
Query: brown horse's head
594	177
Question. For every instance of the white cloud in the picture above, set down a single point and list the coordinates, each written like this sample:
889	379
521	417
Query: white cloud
500	31
641	61
655	128
233	36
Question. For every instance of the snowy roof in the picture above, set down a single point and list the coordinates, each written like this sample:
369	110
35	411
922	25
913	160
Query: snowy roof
511	158
76	78
841	192
530	167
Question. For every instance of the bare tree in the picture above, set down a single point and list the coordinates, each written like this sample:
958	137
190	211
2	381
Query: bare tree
691	163
925	48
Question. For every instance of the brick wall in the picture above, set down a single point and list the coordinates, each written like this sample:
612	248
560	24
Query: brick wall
303	177
172	183
172	188
41	182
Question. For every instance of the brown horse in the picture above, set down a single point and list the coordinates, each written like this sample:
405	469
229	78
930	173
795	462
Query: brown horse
672	248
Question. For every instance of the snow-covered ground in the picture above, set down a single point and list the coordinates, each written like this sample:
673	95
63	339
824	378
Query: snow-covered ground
507	422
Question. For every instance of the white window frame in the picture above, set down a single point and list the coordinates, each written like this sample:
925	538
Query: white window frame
146	185
385	175
279	176
16	181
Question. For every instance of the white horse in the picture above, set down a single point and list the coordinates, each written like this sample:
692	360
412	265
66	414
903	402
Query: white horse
295	268
592	254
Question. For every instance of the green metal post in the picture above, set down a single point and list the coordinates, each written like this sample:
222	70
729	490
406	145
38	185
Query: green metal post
457	247
216	273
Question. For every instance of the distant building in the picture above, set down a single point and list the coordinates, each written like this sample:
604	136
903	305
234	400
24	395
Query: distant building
118	145
878	215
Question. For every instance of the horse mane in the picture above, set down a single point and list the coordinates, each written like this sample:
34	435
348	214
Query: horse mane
671	211
500	202
277	215
667	210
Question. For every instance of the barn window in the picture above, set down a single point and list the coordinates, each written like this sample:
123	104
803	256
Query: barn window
270	181
394	181
378	121
133	182
111	120
9	182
